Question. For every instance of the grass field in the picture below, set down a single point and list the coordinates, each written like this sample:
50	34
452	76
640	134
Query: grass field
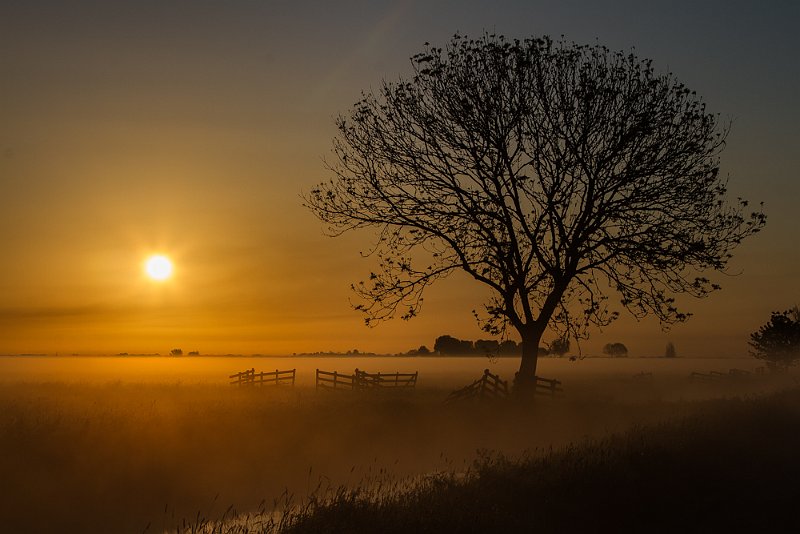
730	467
112	455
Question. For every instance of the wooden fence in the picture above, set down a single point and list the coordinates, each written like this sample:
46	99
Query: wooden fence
362	380
251	378
335	380
546	386
488	386
703	377
717	375
383	380
491	386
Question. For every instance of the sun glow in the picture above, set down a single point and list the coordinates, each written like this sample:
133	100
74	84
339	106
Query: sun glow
158	267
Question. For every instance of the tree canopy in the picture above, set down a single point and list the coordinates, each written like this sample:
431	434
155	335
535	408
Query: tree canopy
778	341
554	173
615	350
559	346
446	345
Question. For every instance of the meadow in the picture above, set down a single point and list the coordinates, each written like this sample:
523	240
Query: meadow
134	444
731	466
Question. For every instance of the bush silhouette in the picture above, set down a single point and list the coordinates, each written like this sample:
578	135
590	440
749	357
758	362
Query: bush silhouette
615	350
778	341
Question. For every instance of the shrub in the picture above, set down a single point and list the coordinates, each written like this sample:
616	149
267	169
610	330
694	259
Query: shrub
615	350
778	341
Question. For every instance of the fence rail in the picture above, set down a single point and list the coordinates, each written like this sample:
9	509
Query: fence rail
488	386
491	386
363	380
717	375
251	378
702	377
335	380
546	386
386	380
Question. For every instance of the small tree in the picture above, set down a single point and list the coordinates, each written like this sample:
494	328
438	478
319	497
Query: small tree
553	173
615	350
778	341
559	346
669	352
176	352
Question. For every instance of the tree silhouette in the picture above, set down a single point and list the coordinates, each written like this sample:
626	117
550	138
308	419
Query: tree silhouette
551	172
615	350
669	352
508	347
446	345
778	341
487	347
559	346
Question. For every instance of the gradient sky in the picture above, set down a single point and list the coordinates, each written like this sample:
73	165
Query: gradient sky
191	128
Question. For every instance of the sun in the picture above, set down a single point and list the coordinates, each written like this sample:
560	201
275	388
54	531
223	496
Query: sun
158	267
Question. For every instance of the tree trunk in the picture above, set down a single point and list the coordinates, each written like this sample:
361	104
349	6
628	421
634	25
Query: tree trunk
525	379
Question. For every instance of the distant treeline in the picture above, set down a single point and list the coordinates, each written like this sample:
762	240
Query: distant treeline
447	345
451	346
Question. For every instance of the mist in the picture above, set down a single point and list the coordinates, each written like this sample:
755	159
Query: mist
120	443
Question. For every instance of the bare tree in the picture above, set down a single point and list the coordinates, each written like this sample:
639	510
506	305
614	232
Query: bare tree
551	172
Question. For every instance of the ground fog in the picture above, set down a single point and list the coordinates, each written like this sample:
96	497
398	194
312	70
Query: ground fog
134	444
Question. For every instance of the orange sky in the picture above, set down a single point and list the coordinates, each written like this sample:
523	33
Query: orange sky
191	129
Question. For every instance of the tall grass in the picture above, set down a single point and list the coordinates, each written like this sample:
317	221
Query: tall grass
731	467
119	457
